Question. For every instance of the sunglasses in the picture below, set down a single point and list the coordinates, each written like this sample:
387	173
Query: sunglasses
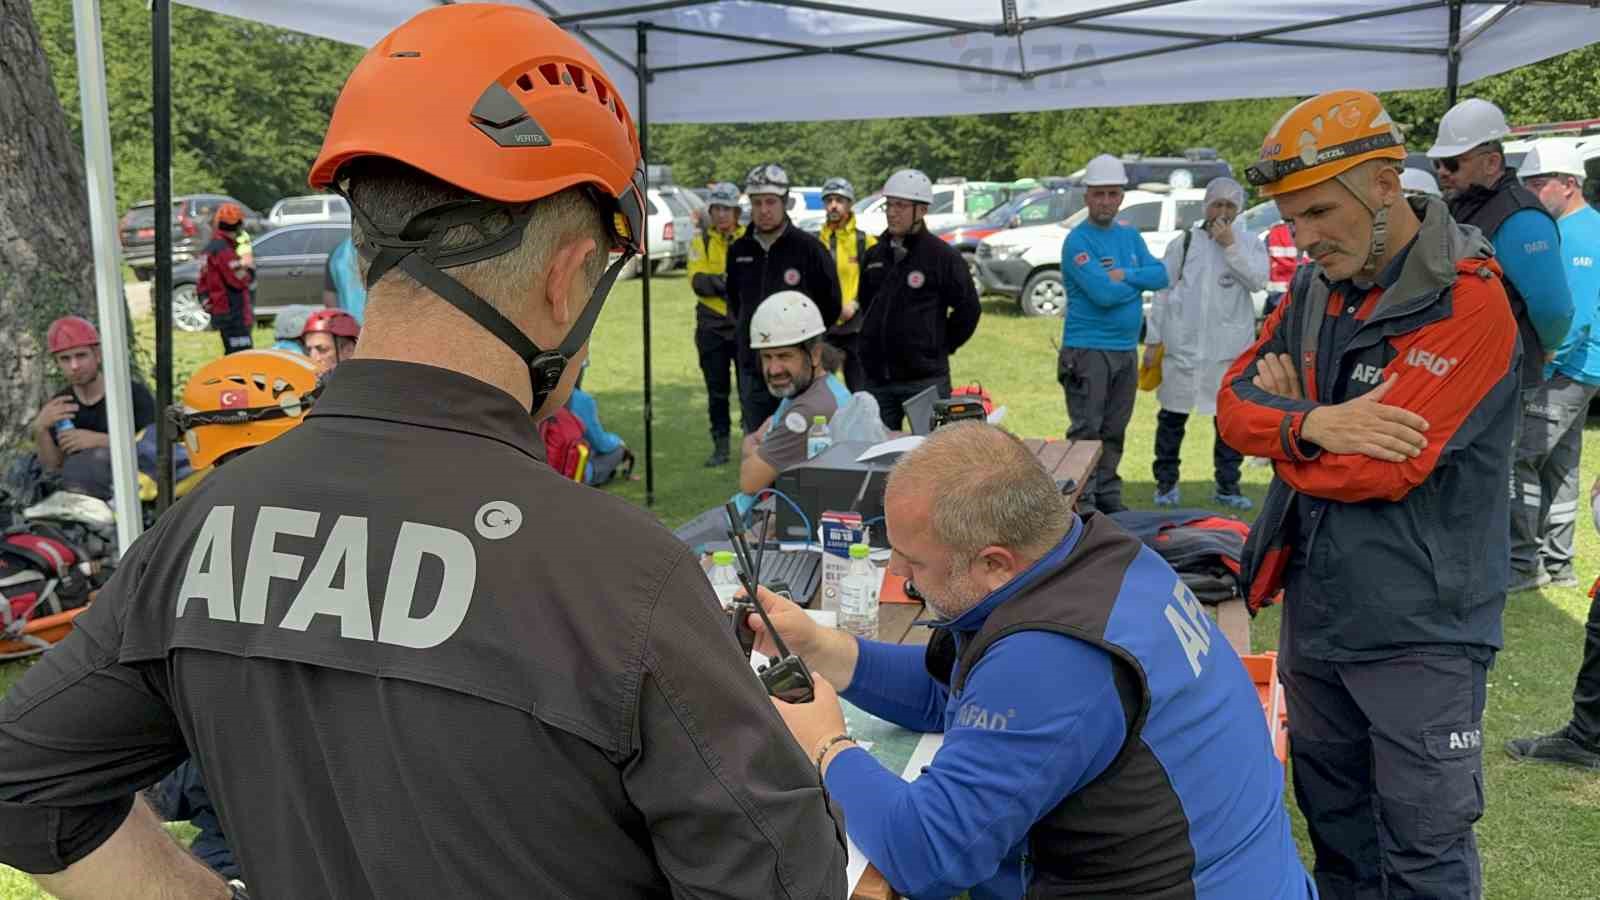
1453	164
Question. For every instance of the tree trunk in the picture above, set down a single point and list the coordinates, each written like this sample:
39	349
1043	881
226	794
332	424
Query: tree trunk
46	264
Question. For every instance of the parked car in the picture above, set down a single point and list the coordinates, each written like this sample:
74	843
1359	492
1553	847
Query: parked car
289	271
671	227
1194	169
191	229
1026	262
1036	207
304	210
805	208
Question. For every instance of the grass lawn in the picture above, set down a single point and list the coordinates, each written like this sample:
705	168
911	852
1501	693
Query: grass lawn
1538	838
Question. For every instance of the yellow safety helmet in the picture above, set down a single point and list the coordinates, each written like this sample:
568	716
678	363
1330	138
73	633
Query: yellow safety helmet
243	400
1323	138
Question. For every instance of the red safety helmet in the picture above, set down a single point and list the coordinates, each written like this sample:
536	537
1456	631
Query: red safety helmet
336	322
68	332
229	214
503	104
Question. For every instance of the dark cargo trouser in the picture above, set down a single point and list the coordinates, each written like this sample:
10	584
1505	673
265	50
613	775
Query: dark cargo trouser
1544	476
717	348
182	797
1100	386
1388	770
1586	693
1170	428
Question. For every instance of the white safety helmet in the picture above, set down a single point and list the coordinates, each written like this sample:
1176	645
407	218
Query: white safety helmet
785	319
1468	124
767	178
1553	156
909	184
723	193
839	187
1417	181
1105	170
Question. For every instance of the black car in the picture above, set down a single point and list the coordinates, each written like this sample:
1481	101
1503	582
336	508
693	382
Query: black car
191	228
1197	166
289	271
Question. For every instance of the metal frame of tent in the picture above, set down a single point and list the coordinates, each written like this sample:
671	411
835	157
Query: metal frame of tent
591	24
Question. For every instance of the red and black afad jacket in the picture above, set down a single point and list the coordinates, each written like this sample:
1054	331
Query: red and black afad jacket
1395	554
225	280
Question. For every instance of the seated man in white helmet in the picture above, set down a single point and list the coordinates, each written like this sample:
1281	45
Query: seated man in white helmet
786	332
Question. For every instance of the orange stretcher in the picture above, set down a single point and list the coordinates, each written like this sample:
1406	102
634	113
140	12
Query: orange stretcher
40	634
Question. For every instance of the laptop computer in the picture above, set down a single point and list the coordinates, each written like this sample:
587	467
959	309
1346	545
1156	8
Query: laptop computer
919	410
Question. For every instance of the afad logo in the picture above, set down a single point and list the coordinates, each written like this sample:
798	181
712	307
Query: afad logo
915	280
1435	365
791	277
1082	259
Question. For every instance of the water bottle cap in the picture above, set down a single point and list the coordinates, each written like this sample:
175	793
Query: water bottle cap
722	558
819	420
859	551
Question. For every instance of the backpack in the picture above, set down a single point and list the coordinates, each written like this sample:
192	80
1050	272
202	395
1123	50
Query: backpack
564	447
40	576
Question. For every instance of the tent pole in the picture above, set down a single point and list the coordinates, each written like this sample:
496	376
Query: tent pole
112	309
1452	83
161	286
644	262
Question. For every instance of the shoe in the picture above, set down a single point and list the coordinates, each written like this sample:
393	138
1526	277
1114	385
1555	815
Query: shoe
1168	497
1558	747
719	451
1568	580
1520	583
1233	501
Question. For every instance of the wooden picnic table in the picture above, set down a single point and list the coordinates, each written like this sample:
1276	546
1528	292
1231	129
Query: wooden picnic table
1066	461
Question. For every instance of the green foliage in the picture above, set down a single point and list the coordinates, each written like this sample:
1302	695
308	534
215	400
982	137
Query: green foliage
249	102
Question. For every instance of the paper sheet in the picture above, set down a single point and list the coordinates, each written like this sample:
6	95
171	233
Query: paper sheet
890	448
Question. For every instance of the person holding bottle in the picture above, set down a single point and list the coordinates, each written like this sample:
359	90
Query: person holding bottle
786	331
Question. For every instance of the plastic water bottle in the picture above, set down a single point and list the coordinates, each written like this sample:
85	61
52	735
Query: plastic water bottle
64	426
819	438
724	579
858	595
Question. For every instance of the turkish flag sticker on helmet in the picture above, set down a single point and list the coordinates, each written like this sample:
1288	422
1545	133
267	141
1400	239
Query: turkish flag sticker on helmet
235	398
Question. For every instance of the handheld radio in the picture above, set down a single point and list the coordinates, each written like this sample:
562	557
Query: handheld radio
785	676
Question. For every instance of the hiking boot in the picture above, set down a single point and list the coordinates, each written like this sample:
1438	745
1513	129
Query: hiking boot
719	451
1232	500
1560	747
1520	582
1167	496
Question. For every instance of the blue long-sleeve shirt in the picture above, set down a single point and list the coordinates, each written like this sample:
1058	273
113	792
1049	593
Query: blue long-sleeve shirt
1579	356
1527	247
1103	314
1011	753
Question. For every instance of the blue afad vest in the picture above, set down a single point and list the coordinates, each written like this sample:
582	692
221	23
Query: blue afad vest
1192	805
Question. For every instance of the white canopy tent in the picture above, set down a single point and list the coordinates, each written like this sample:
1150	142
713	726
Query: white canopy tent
765	60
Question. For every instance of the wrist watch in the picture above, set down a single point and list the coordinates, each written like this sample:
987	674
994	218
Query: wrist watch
237	887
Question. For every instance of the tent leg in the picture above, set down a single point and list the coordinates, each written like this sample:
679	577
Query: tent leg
161	286
1452	84
644	271
112	309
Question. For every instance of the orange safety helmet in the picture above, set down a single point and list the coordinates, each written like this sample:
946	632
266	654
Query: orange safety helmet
228	214
336	322
506	106
1323	138
243	400
69	332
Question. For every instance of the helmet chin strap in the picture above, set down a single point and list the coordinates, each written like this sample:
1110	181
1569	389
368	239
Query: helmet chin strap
416	252
1380	230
